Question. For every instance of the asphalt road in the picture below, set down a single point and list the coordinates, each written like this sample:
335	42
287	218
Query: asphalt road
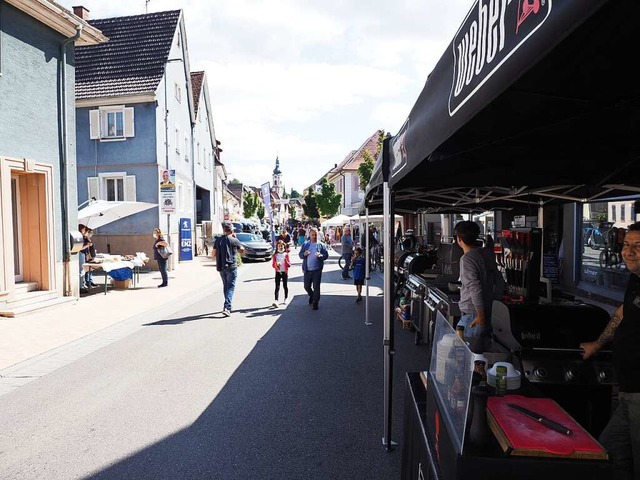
285	393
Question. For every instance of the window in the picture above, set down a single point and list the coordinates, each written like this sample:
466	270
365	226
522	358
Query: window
111	123
622	212
613	213
178	93
177	141
186	148
180	196
112	186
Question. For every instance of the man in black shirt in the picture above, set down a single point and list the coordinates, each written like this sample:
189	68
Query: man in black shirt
225	250
621	436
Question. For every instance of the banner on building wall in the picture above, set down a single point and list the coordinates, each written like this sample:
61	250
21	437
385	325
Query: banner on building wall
266	198
186	240
168	191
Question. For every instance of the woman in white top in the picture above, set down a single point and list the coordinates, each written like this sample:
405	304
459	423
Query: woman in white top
281	264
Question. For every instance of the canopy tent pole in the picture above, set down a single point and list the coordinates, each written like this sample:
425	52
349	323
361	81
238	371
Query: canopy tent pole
366	293
388	324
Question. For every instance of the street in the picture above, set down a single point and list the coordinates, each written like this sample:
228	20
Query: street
281	393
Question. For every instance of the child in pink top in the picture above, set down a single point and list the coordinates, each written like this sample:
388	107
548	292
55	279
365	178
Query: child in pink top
281	264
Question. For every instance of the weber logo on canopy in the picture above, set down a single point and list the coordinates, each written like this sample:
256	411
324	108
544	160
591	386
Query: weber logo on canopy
491	33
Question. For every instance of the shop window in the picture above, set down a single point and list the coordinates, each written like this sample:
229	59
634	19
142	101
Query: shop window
600	263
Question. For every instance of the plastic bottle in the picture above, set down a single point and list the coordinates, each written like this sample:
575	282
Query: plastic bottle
501	380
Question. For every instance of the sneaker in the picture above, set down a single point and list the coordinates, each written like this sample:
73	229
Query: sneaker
284	302
226	313
315	306
274	304
162	285
358	300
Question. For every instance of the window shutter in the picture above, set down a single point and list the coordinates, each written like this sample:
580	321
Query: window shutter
130	188
93	188
94	124
129	130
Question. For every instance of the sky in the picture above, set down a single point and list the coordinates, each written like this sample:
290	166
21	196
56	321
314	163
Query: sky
303	80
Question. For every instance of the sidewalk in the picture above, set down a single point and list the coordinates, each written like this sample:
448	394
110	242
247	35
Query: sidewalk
33	334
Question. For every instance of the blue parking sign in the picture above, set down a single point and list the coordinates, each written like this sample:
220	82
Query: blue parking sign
186	241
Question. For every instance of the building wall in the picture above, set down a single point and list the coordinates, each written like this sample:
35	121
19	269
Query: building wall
30	145
29	111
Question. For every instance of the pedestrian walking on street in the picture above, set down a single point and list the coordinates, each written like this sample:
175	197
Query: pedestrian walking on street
281	264
359	265
313	255
159	241
347	251
225	251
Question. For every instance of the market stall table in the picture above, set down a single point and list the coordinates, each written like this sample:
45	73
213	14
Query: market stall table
107	265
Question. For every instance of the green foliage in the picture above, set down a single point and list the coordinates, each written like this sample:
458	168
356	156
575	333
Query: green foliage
235	181
328	201
365	169
310	206
260	211
292	212
295	194
250	204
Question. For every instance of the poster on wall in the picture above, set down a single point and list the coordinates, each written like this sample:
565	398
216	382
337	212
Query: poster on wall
168	191
186	240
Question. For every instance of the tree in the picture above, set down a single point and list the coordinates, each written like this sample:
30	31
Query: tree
260	211
249	204
328	201
292	212
365	169
235	181
295	194
310	206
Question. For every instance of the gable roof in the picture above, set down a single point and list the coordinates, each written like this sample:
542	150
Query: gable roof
196	83
132	61
355	158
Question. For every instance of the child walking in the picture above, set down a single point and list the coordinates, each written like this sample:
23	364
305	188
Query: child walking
281	264
358	263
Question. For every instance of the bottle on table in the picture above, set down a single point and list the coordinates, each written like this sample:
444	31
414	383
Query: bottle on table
501	381
479	366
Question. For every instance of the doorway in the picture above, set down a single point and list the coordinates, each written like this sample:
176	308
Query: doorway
16	209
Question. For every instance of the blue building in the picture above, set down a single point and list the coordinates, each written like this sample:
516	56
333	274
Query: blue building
38	202
137	116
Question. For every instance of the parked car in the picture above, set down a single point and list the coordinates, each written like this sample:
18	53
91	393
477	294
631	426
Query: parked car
255	247
237	227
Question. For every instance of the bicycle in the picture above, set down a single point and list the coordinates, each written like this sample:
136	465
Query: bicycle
377	259
341	263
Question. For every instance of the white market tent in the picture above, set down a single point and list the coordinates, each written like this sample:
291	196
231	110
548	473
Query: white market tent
337	221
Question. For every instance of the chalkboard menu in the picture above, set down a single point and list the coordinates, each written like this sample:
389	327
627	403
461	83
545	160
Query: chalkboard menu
550	268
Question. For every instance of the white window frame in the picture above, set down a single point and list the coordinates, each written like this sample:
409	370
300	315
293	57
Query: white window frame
180	195
99	123
98	186
178	141
186	147
178	92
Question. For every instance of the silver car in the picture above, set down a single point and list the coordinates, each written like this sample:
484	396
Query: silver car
255	247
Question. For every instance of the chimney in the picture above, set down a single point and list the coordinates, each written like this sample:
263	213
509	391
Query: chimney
81	12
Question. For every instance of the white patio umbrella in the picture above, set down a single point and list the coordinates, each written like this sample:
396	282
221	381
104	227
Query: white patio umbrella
337	221
102	212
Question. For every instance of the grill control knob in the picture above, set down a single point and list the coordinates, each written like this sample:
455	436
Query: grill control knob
539	373
571	375
602	376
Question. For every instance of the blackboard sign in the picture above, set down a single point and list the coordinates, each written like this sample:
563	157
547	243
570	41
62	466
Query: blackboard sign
550	268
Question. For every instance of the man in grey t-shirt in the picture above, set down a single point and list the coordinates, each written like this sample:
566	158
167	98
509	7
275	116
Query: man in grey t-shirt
347	251
476	294
225	252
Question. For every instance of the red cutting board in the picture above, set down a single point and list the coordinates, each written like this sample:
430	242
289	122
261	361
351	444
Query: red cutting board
521	435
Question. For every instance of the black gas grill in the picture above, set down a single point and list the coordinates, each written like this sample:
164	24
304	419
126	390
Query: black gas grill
545	339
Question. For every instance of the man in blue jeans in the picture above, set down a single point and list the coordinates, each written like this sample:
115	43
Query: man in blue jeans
225	251
313	255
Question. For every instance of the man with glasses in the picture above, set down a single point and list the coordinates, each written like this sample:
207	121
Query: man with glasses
313	255
621	436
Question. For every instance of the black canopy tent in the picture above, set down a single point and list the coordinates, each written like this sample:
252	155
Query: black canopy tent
532	102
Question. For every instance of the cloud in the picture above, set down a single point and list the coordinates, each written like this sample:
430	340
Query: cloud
308	81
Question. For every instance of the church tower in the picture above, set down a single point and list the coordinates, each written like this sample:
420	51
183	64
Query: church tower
278	187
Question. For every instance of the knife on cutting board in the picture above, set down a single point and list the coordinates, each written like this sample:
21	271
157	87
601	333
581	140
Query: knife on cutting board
541	419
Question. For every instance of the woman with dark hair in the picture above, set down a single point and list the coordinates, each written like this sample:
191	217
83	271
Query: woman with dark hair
158	242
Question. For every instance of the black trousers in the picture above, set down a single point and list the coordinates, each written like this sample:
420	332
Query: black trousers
313	278
282	276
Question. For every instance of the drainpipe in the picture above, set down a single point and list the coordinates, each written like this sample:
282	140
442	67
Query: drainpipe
64	207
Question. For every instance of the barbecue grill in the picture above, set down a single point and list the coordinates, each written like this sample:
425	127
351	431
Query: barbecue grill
545	339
